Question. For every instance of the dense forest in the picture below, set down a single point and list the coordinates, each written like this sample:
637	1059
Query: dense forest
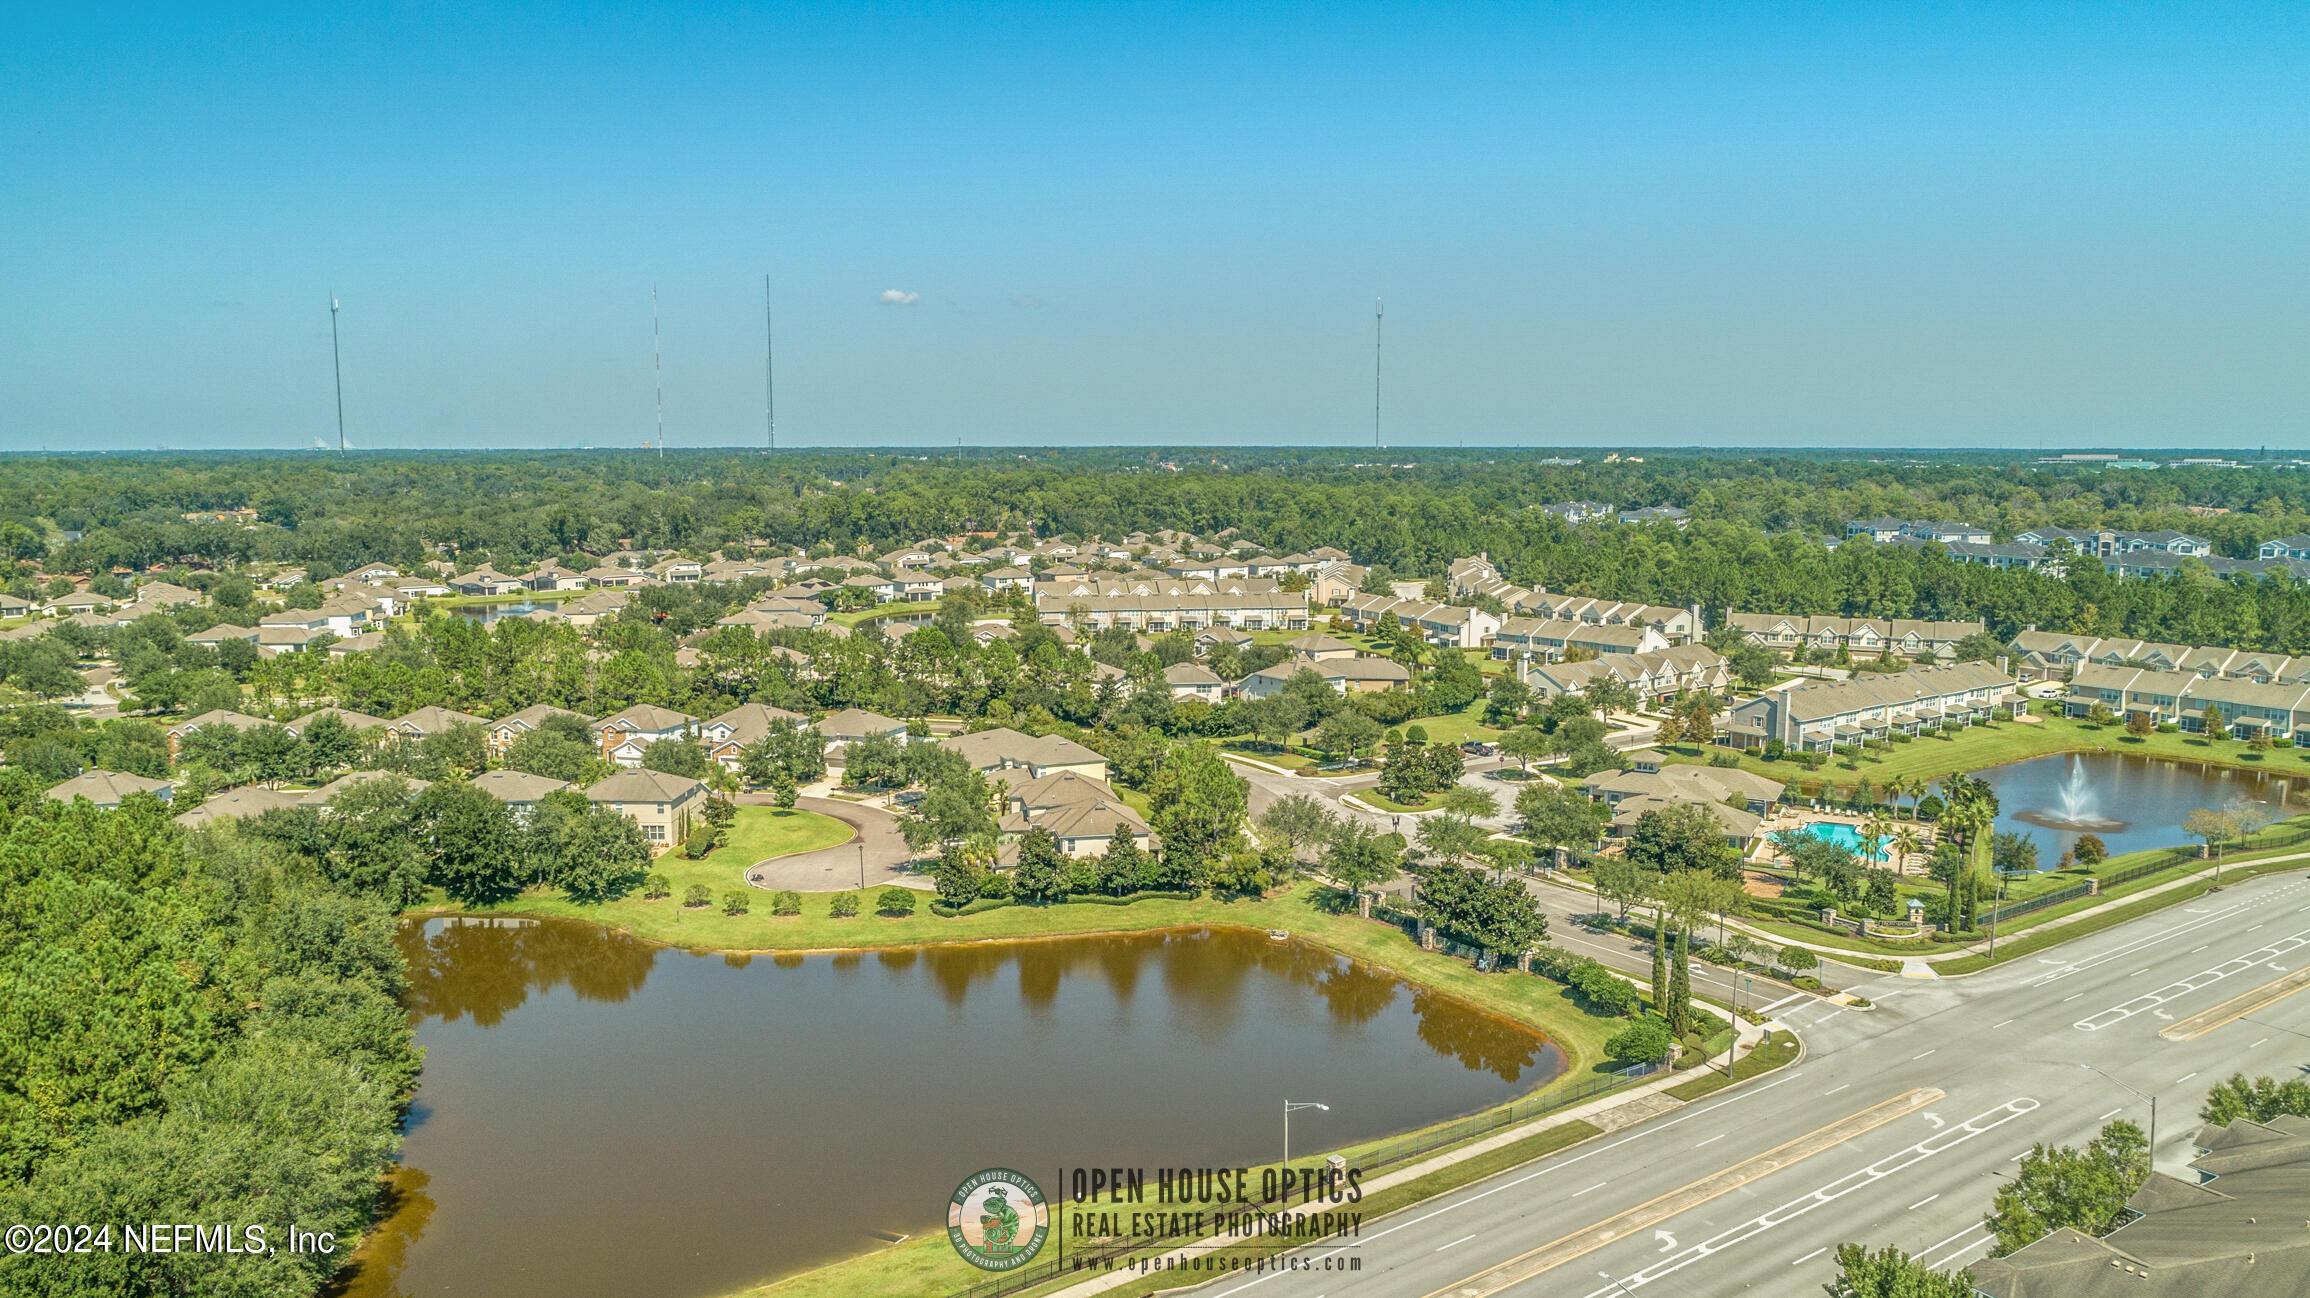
1754	542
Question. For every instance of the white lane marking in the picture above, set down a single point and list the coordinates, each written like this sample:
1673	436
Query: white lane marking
2137	973
2183	1078
1798	996
1921	1203
1809	1256
1540	1172
1995	1026
2194	950
2257	1043
2107	1116
2067	999
2149	1001
2063	970
1834	1190
1951	1240
1711	1140
1667	1241
1598	1186
1461	1240
1834	1089
1915	1058
1961	1250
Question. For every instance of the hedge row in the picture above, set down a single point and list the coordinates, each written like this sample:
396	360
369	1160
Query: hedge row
984	904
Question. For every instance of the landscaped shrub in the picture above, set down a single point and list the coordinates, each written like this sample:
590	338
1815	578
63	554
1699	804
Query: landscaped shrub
897	903
983	904
656	886
1805	982
786	902
697	894
1641	1042
996	886
1724	757
1775	750
735	901
703	839
844	905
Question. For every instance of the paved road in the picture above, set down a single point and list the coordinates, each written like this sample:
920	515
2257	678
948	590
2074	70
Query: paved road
2005	1048
831	869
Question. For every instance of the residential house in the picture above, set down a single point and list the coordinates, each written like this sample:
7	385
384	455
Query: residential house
1344	675
586	610
678	571
355	721
626	735
107	788
507	730
1079	810
1158	613
421	722
727	736
553	576
162	594
221	632
1211	637
1631	793
1336	583
2296	546
661	804
486	580
220	717
609	577
248	800
841	729
1008	579
1576	512
1886	531
1194	681
1655	514
1004	749
518	790
327	795
1814	715
1316	646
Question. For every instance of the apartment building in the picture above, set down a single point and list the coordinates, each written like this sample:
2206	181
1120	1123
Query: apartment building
2247	708
1868	636
1653	675
1550	639
1813	716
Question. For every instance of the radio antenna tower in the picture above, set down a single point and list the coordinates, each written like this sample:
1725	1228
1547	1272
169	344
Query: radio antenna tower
769	375
337	366
658	364
1378	310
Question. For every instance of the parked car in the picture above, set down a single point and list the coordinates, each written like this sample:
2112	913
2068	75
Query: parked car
910	797
1475	748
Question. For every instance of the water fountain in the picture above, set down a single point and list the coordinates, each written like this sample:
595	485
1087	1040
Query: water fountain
2073	806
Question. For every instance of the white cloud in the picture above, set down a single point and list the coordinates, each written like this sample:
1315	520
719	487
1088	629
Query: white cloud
898	297
1027	303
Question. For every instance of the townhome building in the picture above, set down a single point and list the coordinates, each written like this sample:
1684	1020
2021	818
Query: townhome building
2296	546
1337	582
2105	542
1886	531
2246	708
1652	676
1444	625
1155	614
2054	655
1908	637
108	788
1677	625
1813	716
1551	639
1576	512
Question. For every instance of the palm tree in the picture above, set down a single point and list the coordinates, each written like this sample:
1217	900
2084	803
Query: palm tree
1905	841
1896	788
1874	831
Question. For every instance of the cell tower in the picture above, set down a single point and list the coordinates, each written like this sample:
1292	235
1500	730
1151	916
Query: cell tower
769	375
658	364
1379	309
337	367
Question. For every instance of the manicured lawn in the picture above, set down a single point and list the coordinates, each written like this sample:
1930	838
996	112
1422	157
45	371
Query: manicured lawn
1457	727
760	833
1284	758
1771	1053
1985	746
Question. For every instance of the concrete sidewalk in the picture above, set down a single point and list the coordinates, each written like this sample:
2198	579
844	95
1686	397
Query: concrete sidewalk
1607	1113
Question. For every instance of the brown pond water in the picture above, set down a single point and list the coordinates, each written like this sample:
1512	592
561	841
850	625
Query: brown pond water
606	1117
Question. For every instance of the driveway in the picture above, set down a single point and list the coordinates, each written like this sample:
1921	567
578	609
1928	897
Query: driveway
833	869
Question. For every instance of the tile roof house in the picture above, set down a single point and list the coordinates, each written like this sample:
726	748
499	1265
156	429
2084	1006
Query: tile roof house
507	730
1004	749
661	804
727	736
486	580
352	720
518	789
107	788
1080	811
249	800
220	717
626	735
419	722
1343	675
1194	681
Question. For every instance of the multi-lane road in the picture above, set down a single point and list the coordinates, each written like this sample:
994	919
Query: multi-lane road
1895	1128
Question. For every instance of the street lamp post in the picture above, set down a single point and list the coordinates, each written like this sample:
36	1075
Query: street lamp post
2140	1095
1734	1044
1289	1106
862	866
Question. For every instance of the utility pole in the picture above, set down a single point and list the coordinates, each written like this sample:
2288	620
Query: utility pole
658	364
769	376
1379	309
337	366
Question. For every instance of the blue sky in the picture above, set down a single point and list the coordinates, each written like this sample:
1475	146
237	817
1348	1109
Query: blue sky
1593	225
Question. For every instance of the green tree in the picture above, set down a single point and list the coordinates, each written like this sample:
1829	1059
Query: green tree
1295	822
1645	1041
1892	1273
735	902
958	876
1551	816
843	906
2085	1190
2258	1100
1036	877
897	903
696	895
684	757
1197	804
1681	836
476	850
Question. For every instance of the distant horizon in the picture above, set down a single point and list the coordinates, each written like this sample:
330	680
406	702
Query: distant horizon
1638	227
929	450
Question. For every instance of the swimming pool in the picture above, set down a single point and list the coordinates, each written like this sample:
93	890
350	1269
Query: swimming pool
1844	836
